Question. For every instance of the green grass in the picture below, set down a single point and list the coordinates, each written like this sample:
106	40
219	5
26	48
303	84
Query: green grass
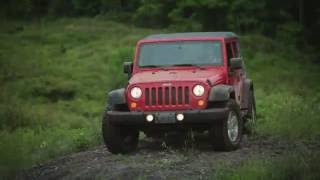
287	89
298	165
54	76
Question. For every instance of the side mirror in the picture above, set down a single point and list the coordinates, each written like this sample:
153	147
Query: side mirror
127	67
236	63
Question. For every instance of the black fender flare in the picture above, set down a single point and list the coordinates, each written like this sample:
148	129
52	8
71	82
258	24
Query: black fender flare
247	87
116	97
221	93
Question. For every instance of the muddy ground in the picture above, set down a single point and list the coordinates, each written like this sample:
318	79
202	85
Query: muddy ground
154	160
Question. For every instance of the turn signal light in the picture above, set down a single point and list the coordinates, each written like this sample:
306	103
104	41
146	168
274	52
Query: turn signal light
200	102
133	105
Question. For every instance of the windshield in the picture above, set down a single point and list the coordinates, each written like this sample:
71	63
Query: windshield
181	53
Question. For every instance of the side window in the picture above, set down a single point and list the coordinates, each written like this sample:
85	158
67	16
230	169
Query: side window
236	53
229	52
235	49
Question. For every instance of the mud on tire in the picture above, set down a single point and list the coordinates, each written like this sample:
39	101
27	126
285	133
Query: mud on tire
119	139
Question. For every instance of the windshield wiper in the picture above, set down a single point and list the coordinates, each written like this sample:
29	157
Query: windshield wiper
196	65
184	65
174	65
151	66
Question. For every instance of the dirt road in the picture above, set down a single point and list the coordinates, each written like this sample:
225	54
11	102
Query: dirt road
153	160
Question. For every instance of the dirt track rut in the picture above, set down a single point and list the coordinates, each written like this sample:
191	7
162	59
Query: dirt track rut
152	160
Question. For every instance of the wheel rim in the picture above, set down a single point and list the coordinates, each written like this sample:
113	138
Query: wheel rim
233	126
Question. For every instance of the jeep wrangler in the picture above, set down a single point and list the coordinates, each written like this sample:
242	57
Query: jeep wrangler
180	82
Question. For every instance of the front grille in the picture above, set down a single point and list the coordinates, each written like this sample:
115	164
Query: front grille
159	96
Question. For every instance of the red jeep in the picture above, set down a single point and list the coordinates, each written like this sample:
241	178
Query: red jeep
179	82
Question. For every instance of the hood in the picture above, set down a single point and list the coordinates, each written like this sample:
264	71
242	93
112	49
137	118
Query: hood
214	76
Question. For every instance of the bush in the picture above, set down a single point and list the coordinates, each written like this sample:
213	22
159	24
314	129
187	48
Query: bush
83	7
290	33
152	13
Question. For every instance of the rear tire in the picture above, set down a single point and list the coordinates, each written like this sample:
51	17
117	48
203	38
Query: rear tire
119	139
226	134
251	118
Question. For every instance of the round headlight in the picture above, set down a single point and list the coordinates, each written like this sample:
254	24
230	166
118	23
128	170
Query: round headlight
136	92
198	90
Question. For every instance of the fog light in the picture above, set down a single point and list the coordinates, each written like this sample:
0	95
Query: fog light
133	105
149	117
200	102
180	117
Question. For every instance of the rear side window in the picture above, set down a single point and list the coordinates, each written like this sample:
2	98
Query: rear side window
229	52
235	48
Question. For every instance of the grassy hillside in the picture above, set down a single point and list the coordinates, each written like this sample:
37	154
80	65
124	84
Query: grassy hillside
54	76
287	88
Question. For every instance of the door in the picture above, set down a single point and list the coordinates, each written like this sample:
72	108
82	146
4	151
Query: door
236	77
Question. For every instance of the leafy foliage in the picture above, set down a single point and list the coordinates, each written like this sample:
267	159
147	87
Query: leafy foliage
295	19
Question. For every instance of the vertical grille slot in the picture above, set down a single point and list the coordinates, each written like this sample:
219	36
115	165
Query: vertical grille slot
173	96
147	97
186	95
180	95
160	96
166	95
153	96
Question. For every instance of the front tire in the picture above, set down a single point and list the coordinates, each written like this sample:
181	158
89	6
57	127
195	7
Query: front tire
119	139
227	133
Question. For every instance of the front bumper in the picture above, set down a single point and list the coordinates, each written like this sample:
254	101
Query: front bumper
207	116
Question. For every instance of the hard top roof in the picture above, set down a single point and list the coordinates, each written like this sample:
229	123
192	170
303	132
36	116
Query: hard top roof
192	35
